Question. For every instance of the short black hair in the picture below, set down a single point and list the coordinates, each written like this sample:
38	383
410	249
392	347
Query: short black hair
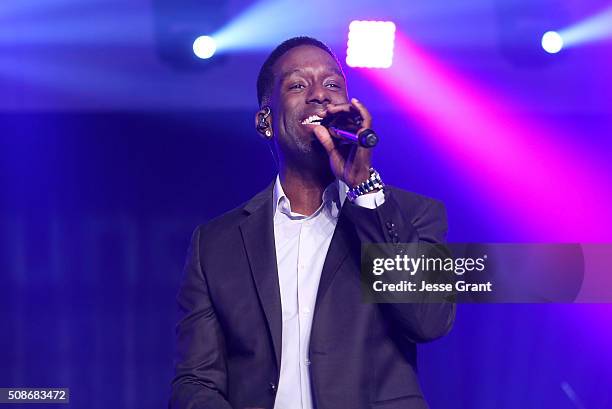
265	79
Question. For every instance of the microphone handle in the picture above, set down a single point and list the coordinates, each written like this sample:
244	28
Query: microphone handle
366	138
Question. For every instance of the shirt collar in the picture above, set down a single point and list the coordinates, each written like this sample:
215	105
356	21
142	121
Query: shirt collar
335	192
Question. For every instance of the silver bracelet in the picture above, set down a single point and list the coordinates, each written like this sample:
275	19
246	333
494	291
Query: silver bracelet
374	182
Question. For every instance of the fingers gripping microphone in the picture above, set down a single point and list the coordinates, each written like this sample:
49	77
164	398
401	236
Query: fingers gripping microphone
346	125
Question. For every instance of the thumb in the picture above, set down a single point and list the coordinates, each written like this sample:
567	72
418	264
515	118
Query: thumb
325	138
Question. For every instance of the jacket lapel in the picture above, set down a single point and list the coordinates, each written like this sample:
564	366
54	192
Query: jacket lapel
258	237
337	253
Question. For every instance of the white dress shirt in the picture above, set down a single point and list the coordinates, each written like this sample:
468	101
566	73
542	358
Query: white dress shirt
301	247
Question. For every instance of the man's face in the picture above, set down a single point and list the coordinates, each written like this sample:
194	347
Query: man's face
307	79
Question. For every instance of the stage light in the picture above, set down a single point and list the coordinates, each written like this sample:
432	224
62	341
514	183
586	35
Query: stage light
204	47
179	28
475	129
592	29
370	44
244	33
552	42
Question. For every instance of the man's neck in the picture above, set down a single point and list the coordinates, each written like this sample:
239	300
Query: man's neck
304	189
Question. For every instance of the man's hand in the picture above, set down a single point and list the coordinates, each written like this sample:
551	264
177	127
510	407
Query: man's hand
349	162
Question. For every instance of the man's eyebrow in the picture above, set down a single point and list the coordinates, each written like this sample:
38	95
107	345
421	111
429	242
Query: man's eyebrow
286	74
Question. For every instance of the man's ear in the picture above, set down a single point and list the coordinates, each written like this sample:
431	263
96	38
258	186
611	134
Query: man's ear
263	122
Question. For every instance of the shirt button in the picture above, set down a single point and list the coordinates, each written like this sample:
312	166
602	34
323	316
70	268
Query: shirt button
307	362
272	387
306	311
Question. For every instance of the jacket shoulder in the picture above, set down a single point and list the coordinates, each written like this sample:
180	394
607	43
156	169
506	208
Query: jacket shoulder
223	222
230	220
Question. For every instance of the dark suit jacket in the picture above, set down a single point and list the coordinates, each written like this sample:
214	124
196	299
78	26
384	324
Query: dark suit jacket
362	355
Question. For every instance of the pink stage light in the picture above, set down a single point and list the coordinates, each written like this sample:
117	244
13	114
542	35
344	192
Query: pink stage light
548	189
370	44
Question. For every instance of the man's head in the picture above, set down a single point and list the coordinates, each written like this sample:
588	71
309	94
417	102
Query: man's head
297	80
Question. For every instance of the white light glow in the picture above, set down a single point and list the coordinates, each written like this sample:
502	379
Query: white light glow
552	42
204	47
370	44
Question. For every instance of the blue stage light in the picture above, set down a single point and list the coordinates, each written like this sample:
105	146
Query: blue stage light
595	28
204	47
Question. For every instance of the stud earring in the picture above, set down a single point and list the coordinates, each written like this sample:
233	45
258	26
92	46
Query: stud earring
268	133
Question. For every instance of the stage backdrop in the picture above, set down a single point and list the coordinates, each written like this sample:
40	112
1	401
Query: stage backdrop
96	212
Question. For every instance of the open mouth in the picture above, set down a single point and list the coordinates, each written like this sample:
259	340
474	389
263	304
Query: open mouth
312	120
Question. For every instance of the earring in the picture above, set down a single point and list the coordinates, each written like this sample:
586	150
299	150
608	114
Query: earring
263	124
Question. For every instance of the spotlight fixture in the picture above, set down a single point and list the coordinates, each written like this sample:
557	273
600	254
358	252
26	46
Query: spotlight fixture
182	32
204	47
370	44
552	42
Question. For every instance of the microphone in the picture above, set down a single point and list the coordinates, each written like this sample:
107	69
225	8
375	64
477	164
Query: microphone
366	138
345	125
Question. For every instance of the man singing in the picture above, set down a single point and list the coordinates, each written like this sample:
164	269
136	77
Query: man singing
270	301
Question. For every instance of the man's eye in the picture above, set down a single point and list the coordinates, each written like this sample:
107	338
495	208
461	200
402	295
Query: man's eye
297	86
332	85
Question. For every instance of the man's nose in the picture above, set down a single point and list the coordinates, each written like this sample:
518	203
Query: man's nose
318	94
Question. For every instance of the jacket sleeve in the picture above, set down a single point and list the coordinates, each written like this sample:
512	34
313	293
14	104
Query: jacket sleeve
403	220
200	380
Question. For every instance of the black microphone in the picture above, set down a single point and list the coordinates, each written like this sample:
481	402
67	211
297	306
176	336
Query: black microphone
346	125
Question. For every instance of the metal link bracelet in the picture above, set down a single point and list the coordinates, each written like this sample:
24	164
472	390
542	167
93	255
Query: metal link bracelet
374	182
